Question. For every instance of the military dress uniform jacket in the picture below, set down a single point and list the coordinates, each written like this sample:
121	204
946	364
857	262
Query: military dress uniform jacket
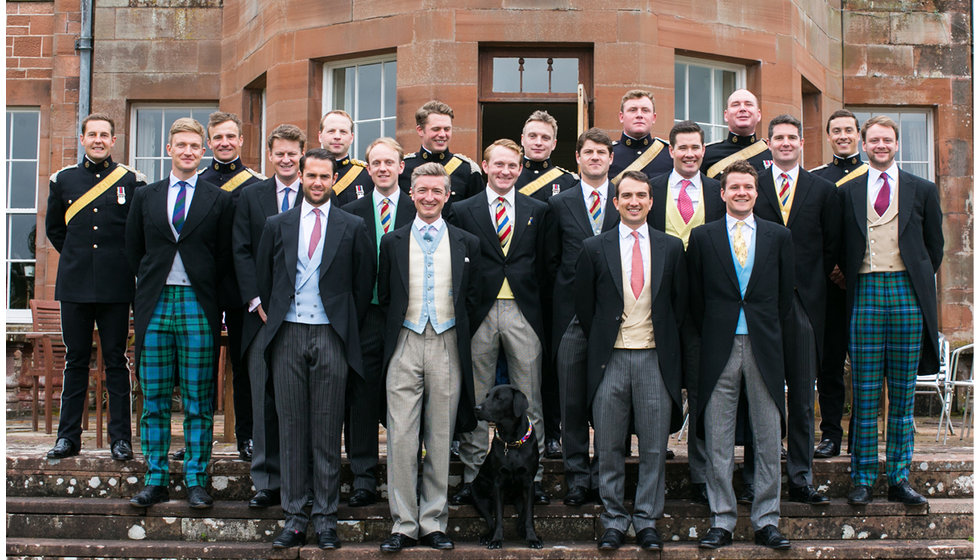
353	181
93	267
466	177
628	149
839	168
530	184
714	152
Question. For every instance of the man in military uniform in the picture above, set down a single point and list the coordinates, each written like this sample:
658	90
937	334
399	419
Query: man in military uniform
336	137
434	124
540	178
843	133
636	149
227	171
86	223
742	115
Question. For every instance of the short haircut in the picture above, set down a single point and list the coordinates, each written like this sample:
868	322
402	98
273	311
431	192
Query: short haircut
99	117
431	169
880	120
218	117
504	143
432	107
186	124
320	154
545	117
637	94
636	176
739	166
685	127
385	141
338	112
842	113
289	132
597	136
786	119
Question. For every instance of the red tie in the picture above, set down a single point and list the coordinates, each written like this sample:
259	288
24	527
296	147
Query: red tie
315	236
636	272
684	203
881	203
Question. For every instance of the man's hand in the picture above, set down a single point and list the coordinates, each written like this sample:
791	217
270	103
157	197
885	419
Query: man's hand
261	313
837	277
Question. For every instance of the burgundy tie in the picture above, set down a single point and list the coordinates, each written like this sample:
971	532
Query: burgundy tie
636	273
315	235
684	203
881	203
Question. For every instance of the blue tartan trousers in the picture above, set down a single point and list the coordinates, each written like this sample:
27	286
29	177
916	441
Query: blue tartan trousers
885	343
178	336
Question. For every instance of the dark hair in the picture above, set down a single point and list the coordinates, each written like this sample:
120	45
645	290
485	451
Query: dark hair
597	136
99	117
786	119
434	107
684	127
636	176
739	166
218	117
320	154
842	113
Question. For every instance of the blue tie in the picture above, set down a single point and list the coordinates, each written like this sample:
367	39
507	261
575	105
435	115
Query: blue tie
179	206
285	199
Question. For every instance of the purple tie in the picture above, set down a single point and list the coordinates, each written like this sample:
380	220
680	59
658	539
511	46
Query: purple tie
881	203
180	205
315	235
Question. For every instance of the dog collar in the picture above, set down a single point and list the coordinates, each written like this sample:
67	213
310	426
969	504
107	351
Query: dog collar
518	443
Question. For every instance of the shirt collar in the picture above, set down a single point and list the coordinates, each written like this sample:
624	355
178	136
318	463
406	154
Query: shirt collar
730	221
793	173
603	189
419	223
492	196
192	182
675	179
307	208
892	172
280	186
378	197
625	231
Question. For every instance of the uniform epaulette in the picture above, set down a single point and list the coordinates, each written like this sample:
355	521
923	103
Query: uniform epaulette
358	162
139	174
411	155
713	143
818	168
202	170
474	167
256	174
615	142
565	170
666	143
54	177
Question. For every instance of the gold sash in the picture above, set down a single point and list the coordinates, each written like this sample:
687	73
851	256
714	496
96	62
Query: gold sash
642	161
96	191
236	181
745	153
861	169
535	185
347	179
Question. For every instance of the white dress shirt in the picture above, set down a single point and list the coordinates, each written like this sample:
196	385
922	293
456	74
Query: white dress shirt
308	219
748	230
178	274
626	242
693	190
281	192
378	198
875	183
509	198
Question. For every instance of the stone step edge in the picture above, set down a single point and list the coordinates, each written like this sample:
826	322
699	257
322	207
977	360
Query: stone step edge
947	548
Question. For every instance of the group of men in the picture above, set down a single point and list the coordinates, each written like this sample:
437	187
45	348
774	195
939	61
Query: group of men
397	288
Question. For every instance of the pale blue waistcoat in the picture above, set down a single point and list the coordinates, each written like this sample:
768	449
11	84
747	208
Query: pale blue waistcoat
743	273
428	314
307	307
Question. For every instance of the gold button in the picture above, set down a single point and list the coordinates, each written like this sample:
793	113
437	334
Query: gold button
95	246
95	227
95	209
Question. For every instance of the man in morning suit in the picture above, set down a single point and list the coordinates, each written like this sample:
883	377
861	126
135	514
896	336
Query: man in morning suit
630	296
844	134
178	242
314	267
682	200
636	149
575	215
808	206
741	277
509	314
383	211
228	172
86	223
336	136
256	203
742	114
893	246
426	289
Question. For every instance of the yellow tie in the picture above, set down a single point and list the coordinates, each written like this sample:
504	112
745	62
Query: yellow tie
738	242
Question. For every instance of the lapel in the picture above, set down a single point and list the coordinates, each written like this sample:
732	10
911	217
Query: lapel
767	191
522	213
334	232
905	200
860	202
763	246
458	252
658	214
204	196
267	200
719	238
610	246
658	251
370	216
289	232
481	215
403	236
404	211
610	218
158	199
803	184
578	211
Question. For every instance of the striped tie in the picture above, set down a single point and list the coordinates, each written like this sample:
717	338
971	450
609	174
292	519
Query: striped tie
179	206
784	190
504	228
386	214
595	212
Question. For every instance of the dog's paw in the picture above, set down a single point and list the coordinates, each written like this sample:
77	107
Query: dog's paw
495	545
534	543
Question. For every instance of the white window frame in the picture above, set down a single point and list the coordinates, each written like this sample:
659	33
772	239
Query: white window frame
717	105
864	112
329	103
20	316
163	157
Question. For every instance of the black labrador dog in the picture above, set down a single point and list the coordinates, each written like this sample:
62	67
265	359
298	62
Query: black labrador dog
507	473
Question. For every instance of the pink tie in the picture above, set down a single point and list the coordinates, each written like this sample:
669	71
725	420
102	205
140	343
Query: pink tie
636	272
684	203
881	203
315	236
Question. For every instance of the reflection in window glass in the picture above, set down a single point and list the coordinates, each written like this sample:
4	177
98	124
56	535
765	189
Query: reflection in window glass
366	89
20	209
915	138
700	91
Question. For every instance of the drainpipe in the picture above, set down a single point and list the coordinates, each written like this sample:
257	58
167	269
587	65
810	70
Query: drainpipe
83	45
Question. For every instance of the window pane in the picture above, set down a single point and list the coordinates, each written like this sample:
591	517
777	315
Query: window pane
913	138
388	127
148	134
535	75
21	289
21	231
10	120
24	141
506	78
390	70
23	184
680	92
150	168
919	169
700	93
369	91
564	75
367	132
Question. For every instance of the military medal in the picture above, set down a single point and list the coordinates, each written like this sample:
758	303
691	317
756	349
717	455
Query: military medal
359	190
121	195
555	189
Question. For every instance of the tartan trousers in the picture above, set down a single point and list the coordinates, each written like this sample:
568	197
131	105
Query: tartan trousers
178	336
885	342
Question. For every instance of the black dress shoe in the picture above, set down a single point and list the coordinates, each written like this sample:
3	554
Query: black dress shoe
454	450
122	451
62	448
179	454
860	495
149	495
464	496
328	540
649	539
289	538
903	492
265	498
198	498
770	536
747	496
362	497
612	539
540	496
552	449
397	541
245	450
670	455
716	538
576	496
699	493
808	495
437	540
826	449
